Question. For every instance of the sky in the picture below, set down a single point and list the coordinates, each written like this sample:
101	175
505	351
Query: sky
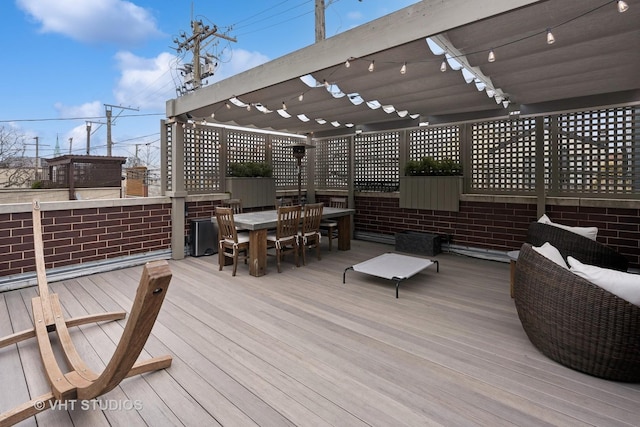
66	59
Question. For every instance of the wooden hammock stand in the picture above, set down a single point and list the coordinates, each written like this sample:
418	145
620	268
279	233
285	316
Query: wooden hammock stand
81	382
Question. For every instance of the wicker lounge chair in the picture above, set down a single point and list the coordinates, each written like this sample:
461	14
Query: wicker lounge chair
575	322
581	248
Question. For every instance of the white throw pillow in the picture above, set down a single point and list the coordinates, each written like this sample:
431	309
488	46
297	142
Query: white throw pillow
624	285
552	253
588	232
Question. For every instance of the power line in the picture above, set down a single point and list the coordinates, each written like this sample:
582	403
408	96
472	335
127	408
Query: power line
78	118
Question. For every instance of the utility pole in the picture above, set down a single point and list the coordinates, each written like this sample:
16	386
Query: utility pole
194	73
320	24
89	133
37	156
108	110
70	144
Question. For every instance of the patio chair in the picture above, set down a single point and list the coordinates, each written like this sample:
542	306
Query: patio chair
309	236
332	226
285	238
235	204
283	201
80	382
575	322
582	248
230	239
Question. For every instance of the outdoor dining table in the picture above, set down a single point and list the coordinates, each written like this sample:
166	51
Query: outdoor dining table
257	223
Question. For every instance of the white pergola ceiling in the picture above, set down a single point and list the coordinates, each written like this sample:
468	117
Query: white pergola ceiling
596	54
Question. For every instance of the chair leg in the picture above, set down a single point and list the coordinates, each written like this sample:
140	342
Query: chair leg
330	236
235	261
318	246
295	252
220	258
278	257
303	249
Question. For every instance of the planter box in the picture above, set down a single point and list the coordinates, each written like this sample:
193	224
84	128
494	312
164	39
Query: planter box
438	193
254	192
418	243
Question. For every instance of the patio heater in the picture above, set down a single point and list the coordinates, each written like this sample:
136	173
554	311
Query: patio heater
299	150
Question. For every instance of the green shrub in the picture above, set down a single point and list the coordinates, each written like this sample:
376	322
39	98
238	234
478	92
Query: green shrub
250	169
428	166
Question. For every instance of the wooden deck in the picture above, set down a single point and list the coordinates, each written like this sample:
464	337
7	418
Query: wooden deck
301	348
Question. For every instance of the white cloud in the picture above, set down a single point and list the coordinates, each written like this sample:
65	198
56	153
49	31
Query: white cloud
145	83
88	109
93	21
239	60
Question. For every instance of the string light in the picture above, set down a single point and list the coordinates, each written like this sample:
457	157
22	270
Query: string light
622	6
550	38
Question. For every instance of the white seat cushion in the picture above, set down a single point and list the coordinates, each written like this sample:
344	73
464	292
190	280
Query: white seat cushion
551	252
588	232
624	285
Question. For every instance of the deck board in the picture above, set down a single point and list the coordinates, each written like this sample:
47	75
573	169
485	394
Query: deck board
302	348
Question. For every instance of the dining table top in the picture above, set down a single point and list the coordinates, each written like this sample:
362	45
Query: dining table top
259	220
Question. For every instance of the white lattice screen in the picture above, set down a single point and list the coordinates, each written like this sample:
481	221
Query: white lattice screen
377	164
435	142
503	156
285	166
586	153
332	163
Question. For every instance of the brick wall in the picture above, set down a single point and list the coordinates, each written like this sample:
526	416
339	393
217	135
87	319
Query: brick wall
75	236
499	226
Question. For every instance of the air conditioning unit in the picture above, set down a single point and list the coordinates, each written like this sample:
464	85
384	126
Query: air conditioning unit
203	237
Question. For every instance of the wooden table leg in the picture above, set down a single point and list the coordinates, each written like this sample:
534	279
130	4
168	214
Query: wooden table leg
257	252
344	232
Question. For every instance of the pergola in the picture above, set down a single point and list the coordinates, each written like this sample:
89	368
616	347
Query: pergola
593	61
434	62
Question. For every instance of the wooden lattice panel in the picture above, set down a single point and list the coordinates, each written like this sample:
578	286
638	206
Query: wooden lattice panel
435	142
503	156
377	163
202	159
285	166
597	151
332	163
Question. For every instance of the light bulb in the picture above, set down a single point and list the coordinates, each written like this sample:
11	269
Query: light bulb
326	83
550	38
248	107
213	115
301	97
371	66
226	104
347	63
403	69
284	106
443	66
492	56
622	6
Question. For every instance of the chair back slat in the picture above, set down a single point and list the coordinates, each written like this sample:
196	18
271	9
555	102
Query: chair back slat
312	217
235	204
226	224
288	221
338	202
